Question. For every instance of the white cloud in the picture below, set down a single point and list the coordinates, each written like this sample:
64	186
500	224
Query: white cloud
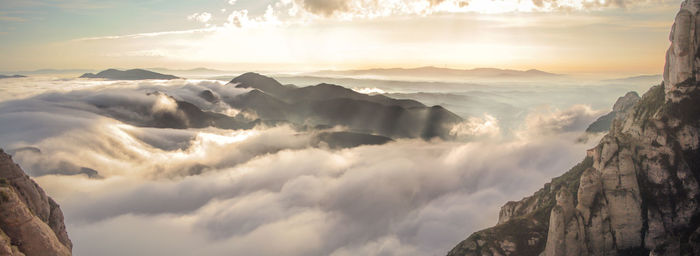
286	12
303	10
263	191
203	17
550	120
477	128
367	90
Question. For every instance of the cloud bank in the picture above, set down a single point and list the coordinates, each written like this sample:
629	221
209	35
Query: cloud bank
304	11
266	191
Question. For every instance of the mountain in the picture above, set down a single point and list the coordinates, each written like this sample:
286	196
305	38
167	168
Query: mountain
31	223
12	76
332	105
622	106
636	193
438	72
131	74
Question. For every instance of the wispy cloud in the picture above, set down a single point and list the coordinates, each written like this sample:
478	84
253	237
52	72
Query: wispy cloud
11	18
149	34
61	4
203	17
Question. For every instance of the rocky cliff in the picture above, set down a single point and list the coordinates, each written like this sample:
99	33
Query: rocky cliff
637	192
31	223
621	108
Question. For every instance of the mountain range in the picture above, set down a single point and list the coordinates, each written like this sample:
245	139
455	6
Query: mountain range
430	71
369	119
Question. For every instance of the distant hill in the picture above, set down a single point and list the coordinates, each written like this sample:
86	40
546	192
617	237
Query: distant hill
12	76
441	72
650	79
131	74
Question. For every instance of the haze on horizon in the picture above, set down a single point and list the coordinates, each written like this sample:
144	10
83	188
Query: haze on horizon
561	36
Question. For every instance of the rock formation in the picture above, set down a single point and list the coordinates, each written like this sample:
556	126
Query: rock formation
637	192
31	223
622	107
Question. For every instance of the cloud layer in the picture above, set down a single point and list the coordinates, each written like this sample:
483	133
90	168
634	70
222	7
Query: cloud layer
295	11
266	191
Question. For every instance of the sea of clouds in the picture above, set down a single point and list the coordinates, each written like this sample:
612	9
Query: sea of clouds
129	190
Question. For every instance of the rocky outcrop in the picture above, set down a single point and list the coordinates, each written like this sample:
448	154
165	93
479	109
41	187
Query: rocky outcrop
622	107
640	195
523	225
31	223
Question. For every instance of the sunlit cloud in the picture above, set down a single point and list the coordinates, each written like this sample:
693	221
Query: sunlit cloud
477	128
369	90
203	17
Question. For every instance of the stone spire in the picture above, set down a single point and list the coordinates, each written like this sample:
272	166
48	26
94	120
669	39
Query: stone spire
682	61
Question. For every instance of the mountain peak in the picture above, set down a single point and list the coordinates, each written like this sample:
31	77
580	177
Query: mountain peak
257	81
681	71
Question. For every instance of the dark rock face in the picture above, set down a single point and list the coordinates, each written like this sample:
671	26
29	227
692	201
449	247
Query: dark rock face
31	223
639	193
622	106
331	105
131	74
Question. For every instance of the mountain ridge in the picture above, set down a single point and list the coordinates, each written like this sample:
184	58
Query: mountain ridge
437	71
331	105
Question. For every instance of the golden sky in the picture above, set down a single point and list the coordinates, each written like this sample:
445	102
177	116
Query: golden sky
564	36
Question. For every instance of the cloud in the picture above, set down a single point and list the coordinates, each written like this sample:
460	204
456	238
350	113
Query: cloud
288	12
151	34
240	19
475	127
326	8
203	17
264	191
362	9
11	18
550	120
367	90
405	198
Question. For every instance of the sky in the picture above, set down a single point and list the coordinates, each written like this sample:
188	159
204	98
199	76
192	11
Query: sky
563	36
